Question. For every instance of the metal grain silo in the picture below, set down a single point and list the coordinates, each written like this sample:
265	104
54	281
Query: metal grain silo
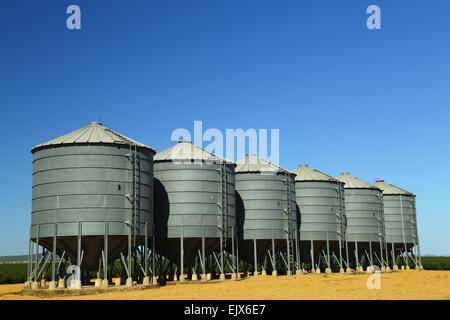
266	213
92	198
321	214
400	221
365	220
194	208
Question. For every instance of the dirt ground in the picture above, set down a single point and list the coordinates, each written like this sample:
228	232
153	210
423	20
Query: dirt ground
411	285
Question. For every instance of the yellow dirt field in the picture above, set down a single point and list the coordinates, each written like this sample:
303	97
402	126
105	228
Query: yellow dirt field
415	285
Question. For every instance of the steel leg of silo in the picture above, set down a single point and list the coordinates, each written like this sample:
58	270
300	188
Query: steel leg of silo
255	257
153	254
129	281
313	266
387	253
37	252
203	255
145	250
274	272
371	253
105	262
356	255
297	254
29	259
233	254
181	258
405	255
394	263
222	274
54	254
346	254
288	255
340	253
237	257
328	254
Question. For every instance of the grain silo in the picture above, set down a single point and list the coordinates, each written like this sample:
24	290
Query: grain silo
195	209
321	215
400	222
365	221
92	202
266	215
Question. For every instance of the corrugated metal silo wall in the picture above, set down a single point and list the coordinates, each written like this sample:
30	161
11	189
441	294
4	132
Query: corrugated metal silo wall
364	213
321	210
264	203
188	201
88	183
400	219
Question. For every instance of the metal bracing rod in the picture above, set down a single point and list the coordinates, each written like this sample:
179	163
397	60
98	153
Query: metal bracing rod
378	259
312	255
231	267
340	263
47	257
340	252
202	262
368	258
371	253
124	264
271	260
356	254
59	263
325	256
218	263
284	260
36	269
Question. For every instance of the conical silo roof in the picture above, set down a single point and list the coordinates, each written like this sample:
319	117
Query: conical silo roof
186	151
390	189
306	173
94	132
352	182
251	163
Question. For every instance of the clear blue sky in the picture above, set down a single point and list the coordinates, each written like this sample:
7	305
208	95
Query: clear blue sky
374	103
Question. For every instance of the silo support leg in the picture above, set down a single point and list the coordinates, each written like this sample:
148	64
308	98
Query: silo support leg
313	266
357	256
347	257
105	257
274	264
328	256
203	276
52	285
371	254
255	258
181	259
